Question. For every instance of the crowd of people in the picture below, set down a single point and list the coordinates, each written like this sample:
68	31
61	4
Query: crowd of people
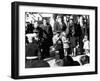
67	37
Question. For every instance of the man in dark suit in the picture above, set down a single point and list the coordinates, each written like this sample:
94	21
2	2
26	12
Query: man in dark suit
78	33
47	34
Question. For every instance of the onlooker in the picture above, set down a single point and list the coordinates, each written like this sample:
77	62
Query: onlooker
47	31
47	34
71	26
66	21
78	33
65	43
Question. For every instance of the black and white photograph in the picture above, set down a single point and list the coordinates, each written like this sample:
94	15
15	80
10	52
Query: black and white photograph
56	40
51	40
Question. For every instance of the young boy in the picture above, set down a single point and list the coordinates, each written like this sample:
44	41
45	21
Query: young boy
65	42
86	44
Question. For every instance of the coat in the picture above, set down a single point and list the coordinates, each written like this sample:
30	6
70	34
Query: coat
47	34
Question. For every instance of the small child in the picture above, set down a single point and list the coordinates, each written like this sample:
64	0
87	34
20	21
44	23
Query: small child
86	46
65	43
